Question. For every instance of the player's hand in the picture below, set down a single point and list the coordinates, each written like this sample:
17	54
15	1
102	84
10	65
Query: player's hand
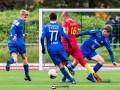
69	46
14	38
25	35
115	64
43	50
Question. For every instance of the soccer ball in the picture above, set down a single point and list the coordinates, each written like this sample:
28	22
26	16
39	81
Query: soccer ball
52	73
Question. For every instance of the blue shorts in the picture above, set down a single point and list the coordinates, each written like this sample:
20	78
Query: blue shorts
17	48
59	57
87	52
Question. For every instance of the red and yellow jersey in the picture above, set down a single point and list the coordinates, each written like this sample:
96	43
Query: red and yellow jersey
71	28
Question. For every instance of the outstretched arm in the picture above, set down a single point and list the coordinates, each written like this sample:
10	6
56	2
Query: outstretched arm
88	32
111	55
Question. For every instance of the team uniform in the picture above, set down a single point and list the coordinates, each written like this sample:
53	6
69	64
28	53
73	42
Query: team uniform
71	28
96	40
17	30
53	32
55	48
88	47
18	46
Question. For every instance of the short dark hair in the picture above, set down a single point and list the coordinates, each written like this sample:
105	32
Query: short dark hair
108	28
53	16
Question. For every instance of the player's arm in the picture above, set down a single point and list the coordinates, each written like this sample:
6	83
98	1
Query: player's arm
63	33
88	32
42	39
12	32
111	53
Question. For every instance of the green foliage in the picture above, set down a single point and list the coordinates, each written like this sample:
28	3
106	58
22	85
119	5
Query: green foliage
86	22
31	26
32	54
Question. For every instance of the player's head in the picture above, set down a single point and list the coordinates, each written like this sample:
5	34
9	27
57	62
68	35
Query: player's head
65	15
53	16
23	15
107	30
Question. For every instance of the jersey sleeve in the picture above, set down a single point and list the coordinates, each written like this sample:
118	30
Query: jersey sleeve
88	32
43	36
108	46
63	33
14	27
65	26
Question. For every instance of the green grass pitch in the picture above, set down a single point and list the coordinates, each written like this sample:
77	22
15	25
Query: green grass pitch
14	80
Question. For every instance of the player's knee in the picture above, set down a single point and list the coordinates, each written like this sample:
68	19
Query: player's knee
101	61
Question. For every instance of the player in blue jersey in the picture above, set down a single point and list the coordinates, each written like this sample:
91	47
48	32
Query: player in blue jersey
96	40
16	43
53	33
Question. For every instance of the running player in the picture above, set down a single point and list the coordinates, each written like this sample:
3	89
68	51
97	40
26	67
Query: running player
53	32
71	28
16	43
96	40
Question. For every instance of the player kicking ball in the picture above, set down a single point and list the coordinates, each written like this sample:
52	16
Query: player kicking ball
53	32
97	39
16	43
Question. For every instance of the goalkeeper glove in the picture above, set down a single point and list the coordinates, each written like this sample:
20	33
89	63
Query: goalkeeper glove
43	50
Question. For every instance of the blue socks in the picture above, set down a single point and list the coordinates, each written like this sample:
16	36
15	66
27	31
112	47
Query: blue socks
69	66
11	60
65	73
26	70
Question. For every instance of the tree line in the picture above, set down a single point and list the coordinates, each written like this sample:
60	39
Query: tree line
32	4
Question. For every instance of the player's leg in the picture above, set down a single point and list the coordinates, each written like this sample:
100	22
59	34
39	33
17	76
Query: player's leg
13	52
26	67
22	52
68	64
97	67
58	59
11	60
64	70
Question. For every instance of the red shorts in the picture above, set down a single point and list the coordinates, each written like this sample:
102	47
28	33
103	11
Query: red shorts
76	53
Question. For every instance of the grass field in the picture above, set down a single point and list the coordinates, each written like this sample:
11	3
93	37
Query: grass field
13	80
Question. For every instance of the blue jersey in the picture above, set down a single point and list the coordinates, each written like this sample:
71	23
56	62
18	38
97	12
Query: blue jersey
96	40
17	30
53	33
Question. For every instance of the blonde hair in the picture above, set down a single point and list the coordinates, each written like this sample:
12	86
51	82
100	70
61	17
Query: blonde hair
24	12
65	13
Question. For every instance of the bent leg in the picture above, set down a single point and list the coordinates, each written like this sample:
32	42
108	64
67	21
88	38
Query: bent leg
12	60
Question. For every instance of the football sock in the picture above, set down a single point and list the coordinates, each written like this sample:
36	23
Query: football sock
66	73
11	60
89	68
96	68
26	70
69	66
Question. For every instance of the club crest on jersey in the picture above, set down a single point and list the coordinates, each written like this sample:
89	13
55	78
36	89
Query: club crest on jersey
98	34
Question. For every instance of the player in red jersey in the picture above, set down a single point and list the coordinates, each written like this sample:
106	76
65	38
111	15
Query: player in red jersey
71	28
